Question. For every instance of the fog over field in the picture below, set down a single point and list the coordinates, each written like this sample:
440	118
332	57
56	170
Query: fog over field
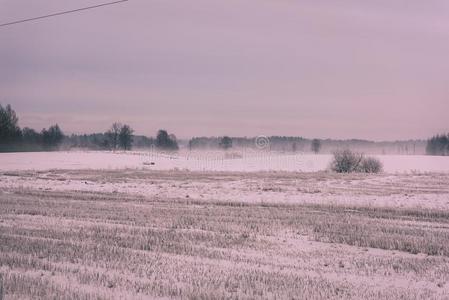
237	161
213	149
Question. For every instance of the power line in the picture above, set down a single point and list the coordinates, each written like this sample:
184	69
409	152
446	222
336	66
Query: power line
62	13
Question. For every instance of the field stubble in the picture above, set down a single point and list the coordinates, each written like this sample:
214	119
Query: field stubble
101	235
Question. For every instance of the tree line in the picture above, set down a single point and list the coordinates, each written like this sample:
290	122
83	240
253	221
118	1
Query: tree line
121	136
118	136
299	144
438	145
227	142
13	138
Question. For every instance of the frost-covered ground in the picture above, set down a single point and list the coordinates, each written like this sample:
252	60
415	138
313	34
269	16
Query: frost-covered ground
238	161
210	225
424	190
143	234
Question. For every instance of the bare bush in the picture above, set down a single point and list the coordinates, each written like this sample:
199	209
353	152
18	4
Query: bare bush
347	161
371	165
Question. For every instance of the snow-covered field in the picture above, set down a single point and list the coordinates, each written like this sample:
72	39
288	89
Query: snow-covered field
206	161
136	225
142	234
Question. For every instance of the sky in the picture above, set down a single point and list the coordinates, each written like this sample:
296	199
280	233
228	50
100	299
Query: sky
328	69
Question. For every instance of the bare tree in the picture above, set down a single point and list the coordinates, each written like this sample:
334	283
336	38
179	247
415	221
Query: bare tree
113	135
165	141
126	137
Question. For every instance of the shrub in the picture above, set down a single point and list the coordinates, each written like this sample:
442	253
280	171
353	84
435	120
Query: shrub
347	161
371	165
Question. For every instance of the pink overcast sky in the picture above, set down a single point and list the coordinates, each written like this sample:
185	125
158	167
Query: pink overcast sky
339	69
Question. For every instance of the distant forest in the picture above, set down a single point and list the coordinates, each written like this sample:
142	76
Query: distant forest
438	145
121	136
299	144
117	137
